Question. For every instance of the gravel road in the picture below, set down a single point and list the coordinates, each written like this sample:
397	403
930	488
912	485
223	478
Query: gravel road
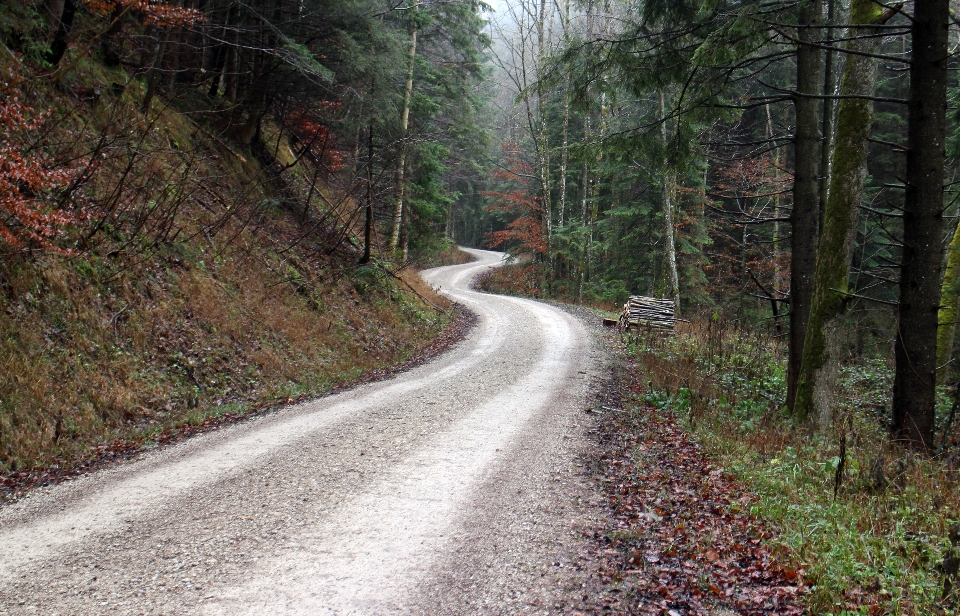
453	488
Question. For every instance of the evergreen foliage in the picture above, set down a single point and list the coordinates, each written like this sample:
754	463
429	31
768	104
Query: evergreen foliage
586	81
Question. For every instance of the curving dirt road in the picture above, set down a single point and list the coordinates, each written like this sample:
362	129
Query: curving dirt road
452	488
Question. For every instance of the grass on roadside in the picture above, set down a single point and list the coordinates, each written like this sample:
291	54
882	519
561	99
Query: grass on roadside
879	545
87	361
446	255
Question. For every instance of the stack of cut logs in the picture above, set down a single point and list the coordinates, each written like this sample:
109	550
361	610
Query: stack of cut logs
647	313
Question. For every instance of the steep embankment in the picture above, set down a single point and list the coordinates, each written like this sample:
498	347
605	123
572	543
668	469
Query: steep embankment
205	279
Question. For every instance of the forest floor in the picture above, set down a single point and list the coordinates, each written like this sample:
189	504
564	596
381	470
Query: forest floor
674	536
680	538
717	495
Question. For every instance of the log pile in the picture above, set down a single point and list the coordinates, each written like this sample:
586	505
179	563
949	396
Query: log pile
647	313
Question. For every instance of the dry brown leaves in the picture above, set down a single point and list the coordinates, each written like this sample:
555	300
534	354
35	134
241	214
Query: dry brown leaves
681	539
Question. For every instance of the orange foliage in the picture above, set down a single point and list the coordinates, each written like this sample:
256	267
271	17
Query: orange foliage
153	12
526	229
749	178
26	177
307	125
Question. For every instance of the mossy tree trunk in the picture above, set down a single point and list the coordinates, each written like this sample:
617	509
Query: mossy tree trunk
849	161
804	219
949	304
914	383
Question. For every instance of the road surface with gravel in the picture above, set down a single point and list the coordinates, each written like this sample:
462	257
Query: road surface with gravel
453	488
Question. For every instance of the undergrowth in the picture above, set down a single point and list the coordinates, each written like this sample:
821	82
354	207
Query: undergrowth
447	254
527	279
205	282
867	523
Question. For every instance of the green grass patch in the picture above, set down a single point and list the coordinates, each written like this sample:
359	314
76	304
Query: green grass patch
875	541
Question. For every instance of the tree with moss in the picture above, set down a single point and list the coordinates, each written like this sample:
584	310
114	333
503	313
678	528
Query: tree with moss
826	323
949	308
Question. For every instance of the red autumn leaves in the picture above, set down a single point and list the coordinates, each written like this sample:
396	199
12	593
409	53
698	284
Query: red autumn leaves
153	12
29	180
524	232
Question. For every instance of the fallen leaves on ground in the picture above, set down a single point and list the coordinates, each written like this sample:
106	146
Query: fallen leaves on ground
681	539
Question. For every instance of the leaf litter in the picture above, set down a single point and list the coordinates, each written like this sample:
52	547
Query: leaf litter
680	539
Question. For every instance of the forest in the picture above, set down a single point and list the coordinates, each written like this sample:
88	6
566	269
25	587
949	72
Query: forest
750	159
200	203
785	171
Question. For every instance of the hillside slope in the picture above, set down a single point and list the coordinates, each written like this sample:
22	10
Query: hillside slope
199	279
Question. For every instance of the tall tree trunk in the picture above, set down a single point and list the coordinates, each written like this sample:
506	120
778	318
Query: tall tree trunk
584	210
108	43
667	181
173	51
806	208
914	384
543	148
777	207
153	64
404	123
949	308
585	181
222	51
826	143
565	145
825	326
405	235
230	77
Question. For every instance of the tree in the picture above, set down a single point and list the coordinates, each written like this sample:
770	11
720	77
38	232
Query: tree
949	307
668	182
524	229
821	349
28	178
404	125
804	219
526	42
914	387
